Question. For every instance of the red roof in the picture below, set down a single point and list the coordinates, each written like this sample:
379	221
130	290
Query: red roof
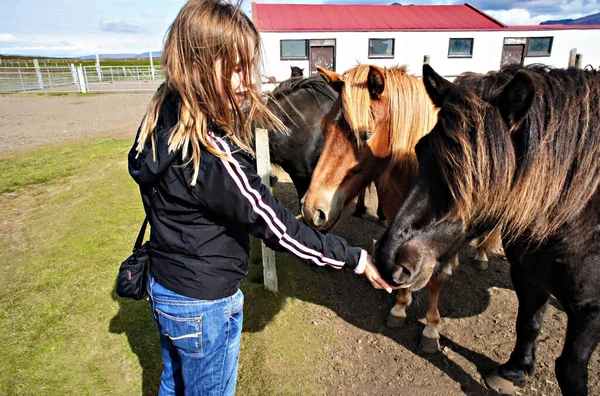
329	17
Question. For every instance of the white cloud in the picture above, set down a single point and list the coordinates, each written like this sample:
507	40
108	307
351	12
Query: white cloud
118	26
7	38
516	16
520	16
78	46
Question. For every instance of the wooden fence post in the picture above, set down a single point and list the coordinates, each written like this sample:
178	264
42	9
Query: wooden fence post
578	60
572	55
263	167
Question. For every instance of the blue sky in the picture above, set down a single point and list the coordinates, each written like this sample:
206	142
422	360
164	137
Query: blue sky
83	27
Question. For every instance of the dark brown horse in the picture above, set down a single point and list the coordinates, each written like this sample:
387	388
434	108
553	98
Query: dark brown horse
300	104
524	155
296	72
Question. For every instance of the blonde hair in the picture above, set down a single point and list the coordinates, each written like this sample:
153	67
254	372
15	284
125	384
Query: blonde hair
203	32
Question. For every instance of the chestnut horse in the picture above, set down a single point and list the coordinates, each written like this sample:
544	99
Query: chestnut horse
370	134
524	155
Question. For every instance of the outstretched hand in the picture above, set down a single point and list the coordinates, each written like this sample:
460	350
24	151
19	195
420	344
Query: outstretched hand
373	276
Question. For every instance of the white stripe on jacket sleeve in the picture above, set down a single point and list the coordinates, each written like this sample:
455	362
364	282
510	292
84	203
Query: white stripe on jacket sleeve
267	213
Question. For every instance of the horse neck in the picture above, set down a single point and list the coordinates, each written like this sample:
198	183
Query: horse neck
300	110
393	186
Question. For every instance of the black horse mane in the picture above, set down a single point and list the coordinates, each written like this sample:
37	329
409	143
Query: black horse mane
540	176
313	84
491	84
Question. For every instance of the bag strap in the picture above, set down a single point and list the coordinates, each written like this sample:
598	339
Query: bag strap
140	237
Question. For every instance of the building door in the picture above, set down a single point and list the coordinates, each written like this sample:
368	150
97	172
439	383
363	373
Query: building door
512	53
322	55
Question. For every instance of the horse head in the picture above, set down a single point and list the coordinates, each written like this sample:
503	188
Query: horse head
373	126
466	166
296	72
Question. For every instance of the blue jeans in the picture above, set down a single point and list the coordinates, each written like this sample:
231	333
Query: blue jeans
200	341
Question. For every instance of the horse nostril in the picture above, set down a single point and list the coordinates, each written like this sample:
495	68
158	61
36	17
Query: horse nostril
402	276
319	218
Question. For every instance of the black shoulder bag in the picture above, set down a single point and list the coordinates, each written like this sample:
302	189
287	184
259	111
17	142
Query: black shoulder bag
133	273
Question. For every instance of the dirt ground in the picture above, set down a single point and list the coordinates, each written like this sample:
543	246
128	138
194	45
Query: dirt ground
478	308
29	120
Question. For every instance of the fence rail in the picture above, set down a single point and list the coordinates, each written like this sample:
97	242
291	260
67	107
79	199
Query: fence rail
86	79
80	79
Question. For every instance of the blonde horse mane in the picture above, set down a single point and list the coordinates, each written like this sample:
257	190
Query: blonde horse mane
411	112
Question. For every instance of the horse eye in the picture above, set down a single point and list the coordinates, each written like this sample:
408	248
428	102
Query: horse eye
365	136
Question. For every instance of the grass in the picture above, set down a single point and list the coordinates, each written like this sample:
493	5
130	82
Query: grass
130	62
68	216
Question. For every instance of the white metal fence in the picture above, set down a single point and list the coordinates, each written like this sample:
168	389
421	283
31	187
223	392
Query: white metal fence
86	79
80	79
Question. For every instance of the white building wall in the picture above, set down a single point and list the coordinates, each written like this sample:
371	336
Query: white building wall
411	47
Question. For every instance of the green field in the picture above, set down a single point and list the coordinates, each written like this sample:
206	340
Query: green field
27	61
70	214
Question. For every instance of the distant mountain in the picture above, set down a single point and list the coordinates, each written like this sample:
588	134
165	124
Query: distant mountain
593	19
155	54
557	22
109	56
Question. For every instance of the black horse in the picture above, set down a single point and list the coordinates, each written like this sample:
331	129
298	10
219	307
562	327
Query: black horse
300	104
522	151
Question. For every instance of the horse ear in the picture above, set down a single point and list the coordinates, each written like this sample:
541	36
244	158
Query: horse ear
516	98
437	87
375	82
334	80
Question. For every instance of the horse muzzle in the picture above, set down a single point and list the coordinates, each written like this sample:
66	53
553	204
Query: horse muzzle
320	211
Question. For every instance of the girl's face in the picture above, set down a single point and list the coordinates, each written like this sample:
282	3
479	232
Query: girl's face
237	84
238	87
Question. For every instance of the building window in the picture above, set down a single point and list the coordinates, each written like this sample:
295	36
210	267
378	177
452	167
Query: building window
539	46
460	48
381	48
294	49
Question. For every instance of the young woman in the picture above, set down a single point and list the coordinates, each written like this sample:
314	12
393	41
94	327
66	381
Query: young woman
193	162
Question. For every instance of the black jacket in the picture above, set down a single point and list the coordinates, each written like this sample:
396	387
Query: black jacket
199	235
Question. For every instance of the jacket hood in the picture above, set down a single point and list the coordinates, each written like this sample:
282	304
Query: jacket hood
144	167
